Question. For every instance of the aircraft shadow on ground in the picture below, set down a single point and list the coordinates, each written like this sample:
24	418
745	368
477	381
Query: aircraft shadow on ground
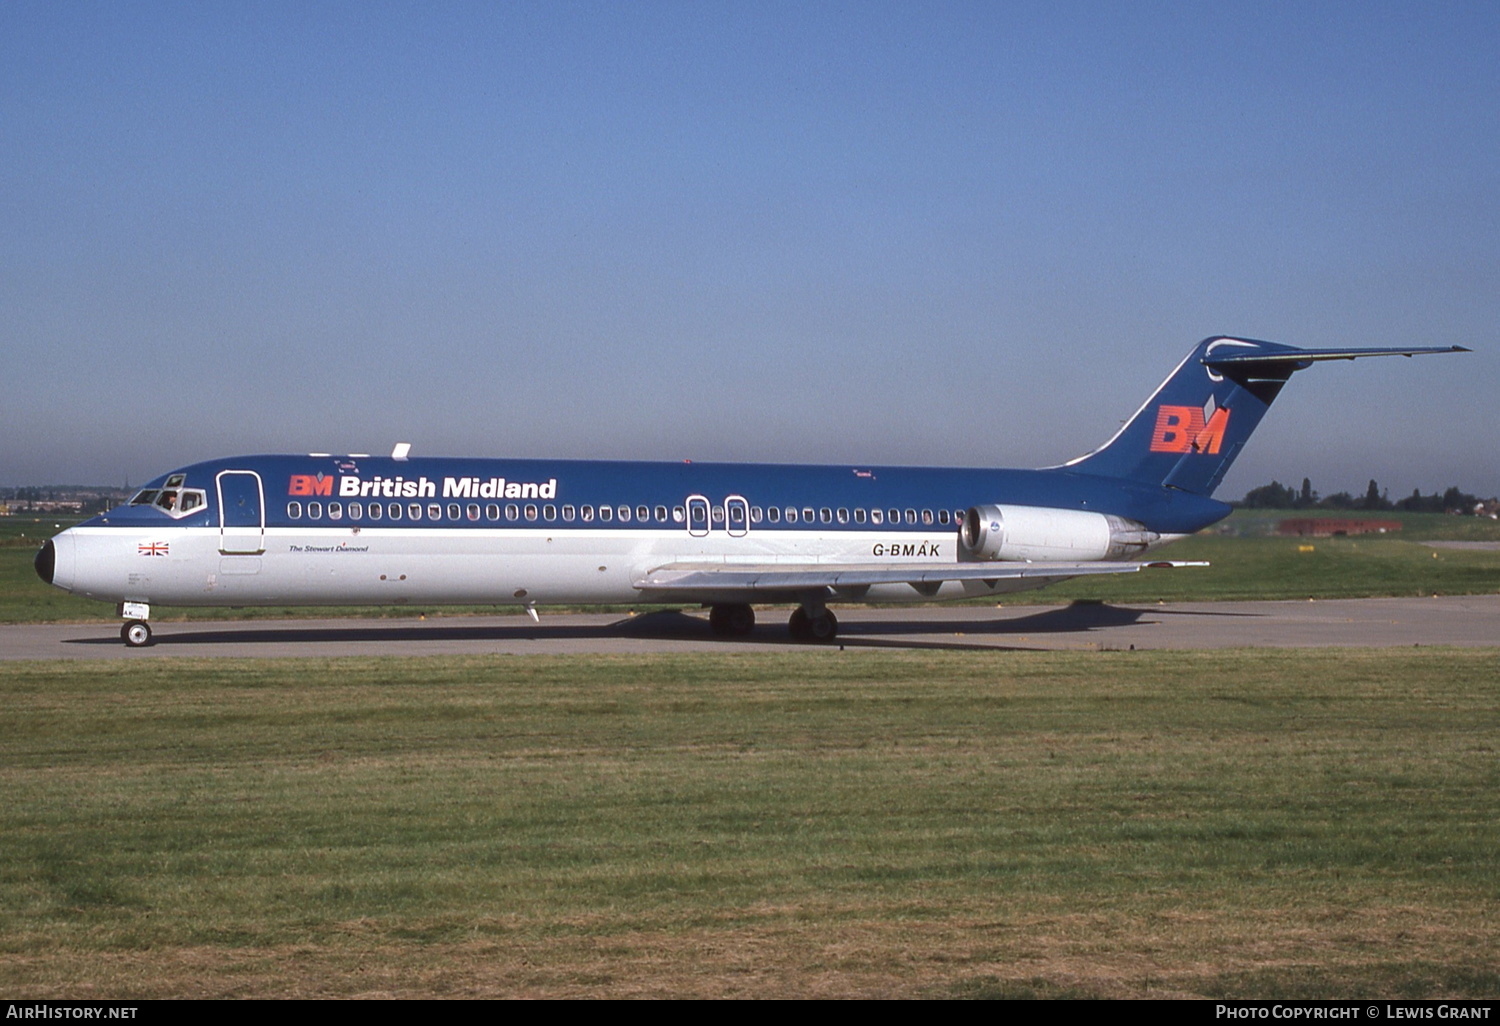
896	631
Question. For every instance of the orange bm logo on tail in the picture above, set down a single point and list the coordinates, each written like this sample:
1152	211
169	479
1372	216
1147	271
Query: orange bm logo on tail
1189	429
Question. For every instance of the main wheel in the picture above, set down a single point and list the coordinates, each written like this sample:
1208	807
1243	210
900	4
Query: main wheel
819	626
822	626
732	620
136	633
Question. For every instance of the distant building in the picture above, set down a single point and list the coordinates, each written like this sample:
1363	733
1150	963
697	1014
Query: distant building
1324	527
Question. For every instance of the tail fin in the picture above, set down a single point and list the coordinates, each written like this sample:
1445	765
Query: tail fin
1191	429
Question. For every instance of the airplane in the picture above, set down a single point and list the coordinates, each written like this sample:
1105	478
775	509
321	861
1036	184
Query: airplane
325	529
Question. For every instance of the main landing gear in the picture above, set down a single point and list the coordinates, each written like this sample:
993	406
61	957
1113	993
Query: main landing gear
737	621
731	621
136	633
816	625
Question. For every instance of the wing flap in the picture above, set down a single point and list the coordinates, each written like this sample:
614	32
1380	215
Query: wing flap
924	578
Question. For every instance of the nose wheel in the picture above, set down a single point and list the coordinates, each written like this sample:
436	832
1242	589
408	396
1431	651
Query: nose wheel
136	634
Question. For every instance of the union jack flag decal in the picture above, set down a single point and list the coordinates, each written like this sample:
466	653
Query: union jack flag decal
152	548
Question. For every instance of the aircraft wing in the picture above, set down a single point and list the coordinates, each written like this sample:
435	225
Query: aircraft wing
850	581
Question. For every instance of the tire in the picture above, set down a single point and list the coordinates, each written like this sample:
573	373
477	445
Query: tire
136	634
732	620
822	627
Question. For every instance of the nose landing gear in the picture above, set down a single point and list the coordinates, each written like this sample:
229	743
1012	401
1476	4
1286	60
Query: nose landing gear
136	632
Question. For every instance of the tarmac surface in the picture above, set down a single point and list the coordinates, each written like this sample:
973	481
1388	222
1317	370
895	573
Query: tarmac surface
1472	621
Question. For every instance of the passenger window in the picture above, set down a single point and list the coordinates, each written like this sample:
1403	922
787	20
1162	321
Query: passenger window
394	511
434	512
927	516
335	511
911	516
643	513
549	512
755	514
453	511
807	513
606	513
791	514
294	511
624	512
843	515
356	510
876	516
826	515
414	511
661	514
512	511
569	513
531	511
678	516
718	514
895	516
859	515
374	511
314	510
942	516
492	511
773	514
586	513
472	511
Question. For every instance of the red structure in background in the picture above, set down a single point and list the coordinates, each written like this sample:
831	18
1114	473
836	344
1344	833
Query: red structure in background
1324	527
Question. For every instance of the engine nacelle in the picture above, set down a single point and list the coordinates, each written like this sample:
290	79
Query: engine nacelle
1049	535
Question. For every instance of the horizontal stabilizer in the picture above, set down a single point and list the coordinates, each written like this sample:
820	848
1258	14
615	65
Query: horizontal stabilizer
1307	356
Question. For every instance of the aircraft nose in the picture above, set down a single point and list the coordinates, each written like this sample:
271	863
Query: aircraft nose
46	561
54	563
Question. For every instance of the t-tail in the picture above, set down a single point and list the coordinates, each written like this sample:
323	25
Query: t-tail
1188	433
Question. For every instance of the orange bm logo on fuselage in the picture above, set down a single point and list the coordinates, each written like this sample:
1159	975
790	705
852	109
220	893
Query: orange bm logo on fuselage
308	484
1184	429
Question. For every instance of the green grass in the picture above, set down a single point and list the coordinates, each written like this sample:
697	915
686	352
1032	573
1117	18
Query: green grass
1249	824
1247	564
1252	567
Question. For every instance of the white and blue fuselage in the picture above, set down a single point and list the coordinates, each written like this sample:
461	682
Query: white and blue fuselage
361	530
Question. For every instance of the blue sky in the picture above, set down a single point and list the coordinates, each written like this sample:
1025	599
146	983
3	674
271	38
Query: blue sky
970	234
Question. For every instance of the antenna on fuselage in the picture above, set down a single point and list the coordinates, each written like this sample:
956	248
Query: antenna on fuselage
401	451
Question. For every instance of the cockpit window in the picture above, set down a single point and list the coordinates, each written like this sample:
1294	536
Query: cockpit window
173	500
175	481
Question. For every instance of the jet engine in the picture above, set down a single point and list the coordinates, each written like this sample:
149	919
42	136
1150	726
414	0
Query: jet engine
1049	535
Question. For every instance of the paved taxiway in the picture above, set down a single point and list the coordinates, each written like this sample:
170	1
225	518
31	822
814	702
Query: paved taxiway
1460	620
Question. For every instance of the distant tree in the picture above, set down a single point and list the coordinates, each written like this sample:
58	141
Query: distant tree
1272	496
1374	499
1308	496
1339	500
1455	501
